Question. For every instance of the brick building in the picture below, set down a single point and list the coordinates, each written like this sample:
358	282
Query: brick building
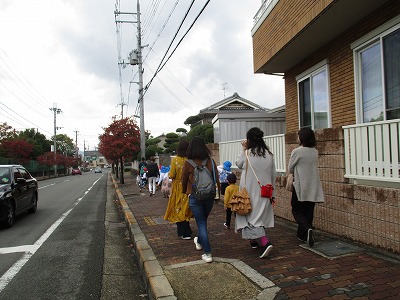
341	63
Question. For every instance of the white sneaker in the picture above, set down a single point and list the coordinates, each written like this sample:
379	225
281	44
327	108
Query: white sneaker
207	257
198	246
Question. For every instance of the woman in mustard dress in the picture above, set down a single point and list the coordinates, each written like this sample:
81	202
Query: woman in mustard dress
178	210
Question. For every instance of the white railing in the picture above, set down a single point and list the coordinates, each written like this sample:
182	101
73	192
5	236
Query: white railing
276	143
261	11
372	151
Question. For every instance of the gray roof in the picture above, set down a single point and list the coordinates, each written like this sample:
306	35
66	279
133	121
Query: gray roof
232	103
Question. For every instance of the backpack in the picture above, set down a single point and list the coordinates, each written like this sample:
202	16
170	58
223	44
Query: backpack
141	171
204	185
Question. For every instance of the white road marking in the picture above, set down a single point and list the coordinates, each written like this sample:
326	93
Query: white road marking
31	249
46	186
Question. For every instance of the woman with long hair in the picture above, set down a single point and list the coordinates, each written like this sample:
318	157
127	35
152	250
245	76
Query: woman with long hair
252	225
198	153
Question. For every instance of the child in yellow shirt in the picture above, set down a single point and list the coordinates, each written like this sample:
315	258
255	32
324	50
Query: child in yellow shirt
230	190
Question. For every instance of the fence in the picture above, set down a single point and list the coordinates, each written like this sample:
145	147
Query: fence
232	149
372	151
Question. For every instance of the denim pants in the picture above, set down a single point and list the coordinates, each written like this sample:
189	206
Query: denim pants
201	210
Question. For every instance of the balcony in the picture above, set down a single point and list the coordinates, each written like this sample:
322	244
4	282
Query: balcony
286	32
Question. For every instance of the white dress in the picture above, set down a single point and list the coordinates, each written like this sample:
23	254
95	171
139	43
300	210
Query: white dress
262	214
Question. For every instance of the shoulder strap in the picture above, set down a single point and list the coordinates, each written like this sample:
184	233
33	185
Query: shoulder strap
193	164
203	163
248	160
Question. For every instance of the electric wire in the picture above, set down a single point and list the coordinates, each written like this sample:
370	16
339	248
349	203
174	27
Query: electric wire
163	64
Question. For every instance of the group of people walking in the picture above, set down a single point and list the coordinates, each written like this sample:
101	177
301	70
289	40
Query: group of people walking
184	202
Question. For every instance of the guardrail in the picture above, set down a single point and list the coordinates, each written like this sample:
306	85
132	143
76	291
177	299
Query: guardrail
232	149
372	151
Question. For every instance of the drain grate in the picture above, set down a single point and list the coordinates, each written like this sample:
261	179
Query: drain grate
333	249
155	221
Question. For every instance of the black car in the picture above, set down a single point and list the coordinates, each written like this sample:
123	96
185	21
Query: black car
18	193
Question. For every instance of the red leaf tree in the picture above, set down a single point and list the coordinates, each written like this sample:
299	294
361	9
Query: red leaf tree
18	149
48	159
121	139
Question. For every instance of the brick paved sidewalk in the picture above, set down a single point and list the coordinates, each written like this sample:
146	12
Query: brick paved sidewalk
334	268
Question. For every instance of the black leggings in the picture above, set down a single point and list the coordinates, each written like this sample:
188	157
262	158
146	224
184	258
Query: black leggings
303	213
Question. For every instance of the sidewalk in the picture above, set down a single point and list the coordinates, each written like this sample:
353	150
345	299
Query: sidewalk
334	268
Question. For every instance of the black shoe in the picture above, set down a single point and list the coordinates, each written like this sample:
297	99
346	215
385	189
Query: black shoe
254	244
303	240
310	237
265	250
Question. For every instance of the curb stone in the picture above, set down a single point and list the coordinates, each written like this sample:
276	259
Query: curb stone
157	284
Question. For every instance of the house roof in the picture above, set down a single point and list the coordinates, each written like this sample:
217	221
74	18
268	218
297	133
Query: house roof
232	103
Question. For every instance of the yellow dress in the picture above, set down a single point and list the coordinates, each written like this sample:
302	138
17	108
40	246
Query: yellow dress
178	204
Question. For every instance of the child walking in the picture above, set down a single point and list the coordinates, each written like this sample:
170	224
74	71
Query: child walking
229	191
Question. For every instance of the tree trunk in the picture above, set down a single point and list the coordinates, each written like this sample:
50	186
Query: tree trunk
116	169
122	171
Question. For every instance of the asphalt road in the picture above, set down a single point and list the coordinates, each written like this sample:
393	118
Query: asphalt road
58	252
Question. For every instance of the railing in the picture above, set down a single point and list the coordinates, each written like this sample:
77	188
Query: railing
276	143
260	12
372	151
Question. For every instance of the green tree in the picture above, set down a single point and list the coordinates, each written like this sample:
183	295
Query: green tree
181	131
64	144
39	141
6	131
192	121
205	131
152	147
171	142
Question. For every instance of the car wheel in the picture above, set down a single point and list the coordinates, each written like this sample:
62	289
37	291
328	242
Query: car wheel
9	214
34	204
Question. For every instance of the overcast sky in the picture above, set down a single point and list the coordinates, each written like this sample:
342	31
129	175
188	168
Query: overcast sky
64	53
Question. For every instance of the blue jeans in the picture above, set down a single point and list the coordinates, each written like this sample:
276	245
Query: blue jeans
201	210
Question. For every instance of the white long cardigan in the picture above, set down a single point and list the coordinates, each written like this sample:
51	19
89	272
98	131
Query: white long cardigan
262	214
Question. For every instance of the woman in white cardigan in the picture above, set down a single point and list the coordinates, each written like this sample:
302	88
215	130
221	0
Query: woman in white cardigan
252	226
307	188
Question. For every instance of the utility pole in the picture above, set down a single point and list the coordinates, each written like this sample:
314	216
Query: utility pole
76	142
141	102
135	58
56	111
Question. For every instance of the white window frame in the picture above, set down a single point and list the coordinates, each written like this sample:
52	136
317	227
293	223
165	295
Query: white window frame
372	38
323	65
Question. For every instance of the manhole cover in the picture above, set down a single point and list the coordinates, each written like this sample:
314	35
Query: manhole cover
333	249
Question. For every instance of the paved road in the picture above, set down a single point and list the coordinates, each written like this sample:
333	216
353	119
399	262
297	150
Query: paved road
74	247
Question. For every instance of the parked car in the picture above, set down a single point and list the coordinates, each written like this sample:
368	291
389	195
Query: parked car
18	193
97	170
76	171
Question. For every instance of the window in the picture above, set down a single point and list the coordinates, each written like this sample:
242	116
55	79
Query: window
314	99
377	65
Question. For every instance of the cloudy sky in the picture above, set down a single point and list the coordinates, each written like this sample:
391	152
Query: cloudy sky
64	54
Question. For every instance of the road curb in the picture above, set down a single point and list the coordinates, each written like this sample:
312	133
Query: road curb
157	284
